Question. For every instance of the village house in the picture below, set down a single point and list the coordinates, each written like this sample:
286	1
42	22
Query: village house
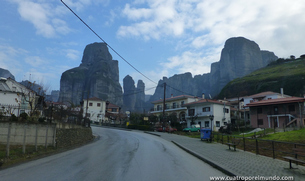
173	105
208	113
16	98
94	109
277	113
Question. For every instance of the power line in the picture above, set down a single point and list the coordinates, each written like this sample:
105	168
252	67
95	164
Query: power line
107	43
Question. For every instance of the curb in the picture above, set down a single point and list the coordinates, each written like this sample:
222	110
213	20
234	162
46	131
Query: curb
205	160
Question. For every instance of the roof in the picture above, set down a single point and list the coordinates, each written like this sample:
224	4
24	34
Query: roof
264	94
204	101
94	99
286	100
110	105
175	98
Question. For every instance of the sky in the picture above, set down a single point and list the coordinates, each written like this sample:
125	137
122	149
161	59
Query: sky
40	39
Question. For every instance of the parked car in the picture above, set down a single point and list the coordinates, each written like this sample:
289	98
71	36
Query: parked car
193	128
170	129
159	129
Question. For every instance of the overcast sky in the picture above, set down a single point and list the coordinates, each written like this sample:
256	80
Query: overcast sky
40	39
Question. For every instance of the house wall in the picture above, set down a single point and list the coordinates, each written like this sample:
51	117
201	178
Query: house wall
270	118
97	114
203	117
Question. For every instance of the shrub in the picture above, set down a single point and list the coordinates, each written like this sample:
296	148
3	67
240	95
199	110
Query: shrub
23	116
41	119
13	118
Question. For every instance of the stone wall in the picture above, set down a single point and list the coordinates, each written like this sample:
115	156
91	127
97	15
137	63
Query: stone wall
73	137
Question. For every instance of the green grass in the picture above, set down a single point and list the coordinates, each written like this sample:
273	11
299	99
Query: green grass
297	136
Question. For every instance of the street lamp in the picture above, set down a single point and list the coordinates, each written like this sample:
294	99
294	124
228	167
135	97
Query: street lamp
211	118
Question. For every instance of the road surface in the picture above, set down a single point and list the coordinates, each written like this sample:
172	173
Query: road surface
117	155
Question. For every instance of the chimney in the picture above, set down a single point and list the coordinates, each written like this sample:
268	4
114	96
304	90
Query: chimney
172	95
282	92
203	97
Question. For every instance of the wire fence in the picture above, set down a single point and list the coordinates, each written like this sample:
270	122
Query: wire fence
270	148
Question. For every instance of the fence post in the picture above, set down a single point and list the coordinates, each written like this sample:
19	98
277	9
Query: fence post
46	143
36	137
54	136
273	150
257	151
244	140
8	140
24	138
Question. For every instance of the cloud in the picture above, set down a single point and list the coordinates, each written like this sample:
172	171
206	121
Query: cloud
35	61
272	24
72	54
43	16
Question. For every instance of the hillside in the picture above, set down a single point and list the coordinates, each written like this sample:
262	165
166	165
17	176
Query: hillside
288	74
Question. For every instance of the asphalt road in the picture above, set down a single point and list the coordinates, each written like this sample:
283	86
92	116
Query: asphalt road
116	155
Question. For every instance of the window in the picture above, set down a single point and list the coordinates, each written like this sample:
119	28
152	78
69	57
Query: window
191	112
260	122
174	105
182	102
88	115
259	110
114	110
98	104
206	109
217	123
207	124
291	108
225	110
90	104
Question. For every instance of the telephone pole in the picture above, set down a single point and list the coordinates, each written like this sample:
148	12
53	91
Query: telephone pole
164	86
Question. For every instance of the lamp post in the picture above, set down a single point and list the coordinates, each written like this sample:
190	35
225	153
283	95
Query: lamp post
211	118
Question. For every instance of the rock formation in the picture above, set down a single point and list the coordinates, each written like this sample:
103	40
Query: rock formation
239	57
97	76
133	97
6	74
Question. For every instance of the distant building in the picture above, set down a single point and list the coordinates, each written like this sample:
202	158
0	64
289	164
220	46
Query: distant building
173	105
200	112
277	113
94	109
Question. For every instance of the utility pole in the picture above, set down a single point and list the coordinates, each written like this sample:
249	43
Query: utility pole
164	86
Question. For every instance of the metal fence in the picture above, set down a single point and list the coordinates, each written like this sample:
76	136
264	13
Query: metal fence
270	148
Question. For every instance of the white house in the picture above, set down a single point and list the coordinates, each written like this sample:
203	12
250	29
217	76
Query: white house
95	109
15	98
200	112
173	105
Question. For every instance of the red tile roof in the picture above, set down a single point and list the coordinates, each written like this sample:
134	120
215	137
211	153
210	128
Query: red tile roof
204	101
286	100
175	98
94	99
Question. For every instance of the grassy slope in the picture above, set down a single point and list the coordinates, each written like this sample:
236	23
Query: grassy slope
289	75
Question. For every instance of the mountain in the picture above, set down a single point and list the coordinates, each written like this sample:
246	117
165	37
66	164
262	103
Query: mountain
239	57
6	74
288	74
97	76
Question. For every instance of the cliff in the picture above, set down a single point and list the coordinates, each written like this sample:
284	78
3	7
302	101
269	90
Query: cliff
97	76
239	57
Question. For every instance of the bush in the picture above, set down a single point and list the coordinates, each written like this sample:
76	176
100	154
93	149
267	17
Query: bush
41	119
23	116
13	118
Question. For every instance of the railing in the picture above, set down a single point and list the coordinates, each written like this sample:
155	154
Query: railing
168	107
270	148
